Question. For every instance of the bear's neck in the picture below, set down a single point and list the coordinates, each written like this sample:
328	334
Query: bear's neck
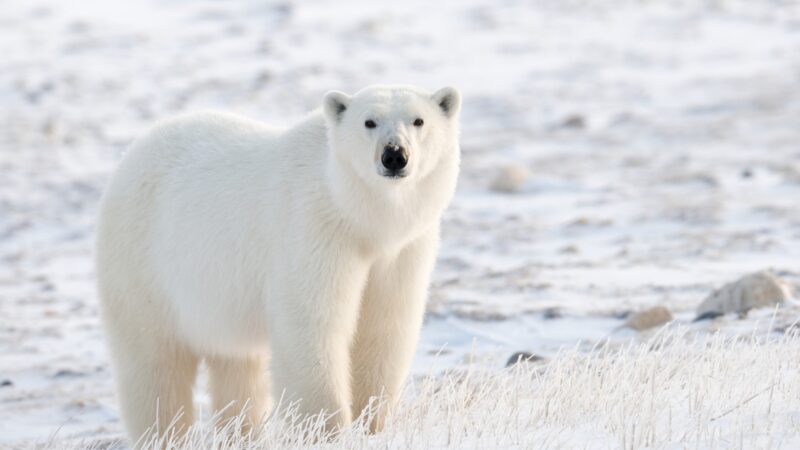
386	218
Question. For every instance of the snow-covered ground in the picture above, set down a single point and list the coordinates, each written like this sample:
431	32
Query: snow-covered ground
661	140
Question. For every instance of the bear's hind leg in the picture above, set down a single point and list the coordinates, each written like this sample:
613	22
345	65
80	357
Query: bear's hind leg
155	380
239	385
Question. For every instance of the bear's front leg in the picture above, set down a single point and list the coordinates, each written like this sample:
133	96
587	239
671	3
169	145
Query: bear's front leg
313	319
389	324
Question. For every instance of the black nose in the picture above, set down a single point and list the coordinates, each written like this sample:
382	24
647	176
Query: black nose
394	157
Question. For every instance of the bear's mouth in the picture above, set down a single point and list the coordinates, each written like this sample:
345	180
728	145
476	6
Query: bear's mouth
395	174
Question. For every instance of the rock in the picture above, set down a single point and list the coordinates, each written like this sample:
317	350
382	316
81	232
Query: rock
623	314
552	313
68	373
519	357
649	318
708	315
6	383
757	290
575	121
509	179
569	250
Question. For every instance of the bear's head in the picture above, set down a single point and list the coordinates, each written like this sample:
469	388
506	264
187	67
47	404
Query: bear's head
393	134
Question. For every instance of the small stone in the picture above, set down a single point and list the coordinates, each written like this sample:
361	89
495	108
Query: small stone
708	315
757	290
68	373
569	250
624	314
552	313
6	383
649	318
262	79
519	357
575	121
481	315
579	222
76	404
441	351
509	179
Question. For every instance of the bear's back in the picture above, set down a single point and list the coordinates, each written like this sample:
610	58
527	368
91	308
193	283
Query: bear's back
195	206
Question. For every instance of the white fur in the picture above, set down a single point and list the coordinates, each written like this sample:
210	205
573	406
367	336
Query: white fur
226	240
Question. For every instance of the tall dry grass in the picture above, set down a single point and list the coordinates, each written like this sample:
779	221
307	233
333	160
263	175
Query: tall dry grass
674	390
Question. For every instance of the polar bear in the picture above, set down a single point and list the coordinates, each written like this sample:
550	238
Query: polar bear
304	253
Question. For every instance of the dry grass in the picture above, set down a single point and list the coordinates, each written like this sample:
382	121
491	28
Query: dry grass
675	390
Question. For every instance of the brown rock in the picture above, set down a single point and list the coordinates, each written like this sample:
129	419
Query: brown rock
509	179
649	318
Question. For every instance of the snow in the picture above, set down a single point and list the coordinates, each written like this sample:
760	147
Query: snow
660	141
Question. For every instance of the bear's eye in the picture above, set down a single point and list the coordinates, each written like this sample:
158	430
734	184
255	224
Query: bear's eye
369	124
418	122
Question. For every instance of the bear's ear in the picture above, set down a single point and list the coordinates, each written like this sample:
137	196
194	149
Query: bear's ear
334	104
448	99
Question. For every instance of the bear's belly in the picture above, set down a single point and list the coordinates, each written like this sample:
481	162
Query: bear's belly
210	263
215	293
222	325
